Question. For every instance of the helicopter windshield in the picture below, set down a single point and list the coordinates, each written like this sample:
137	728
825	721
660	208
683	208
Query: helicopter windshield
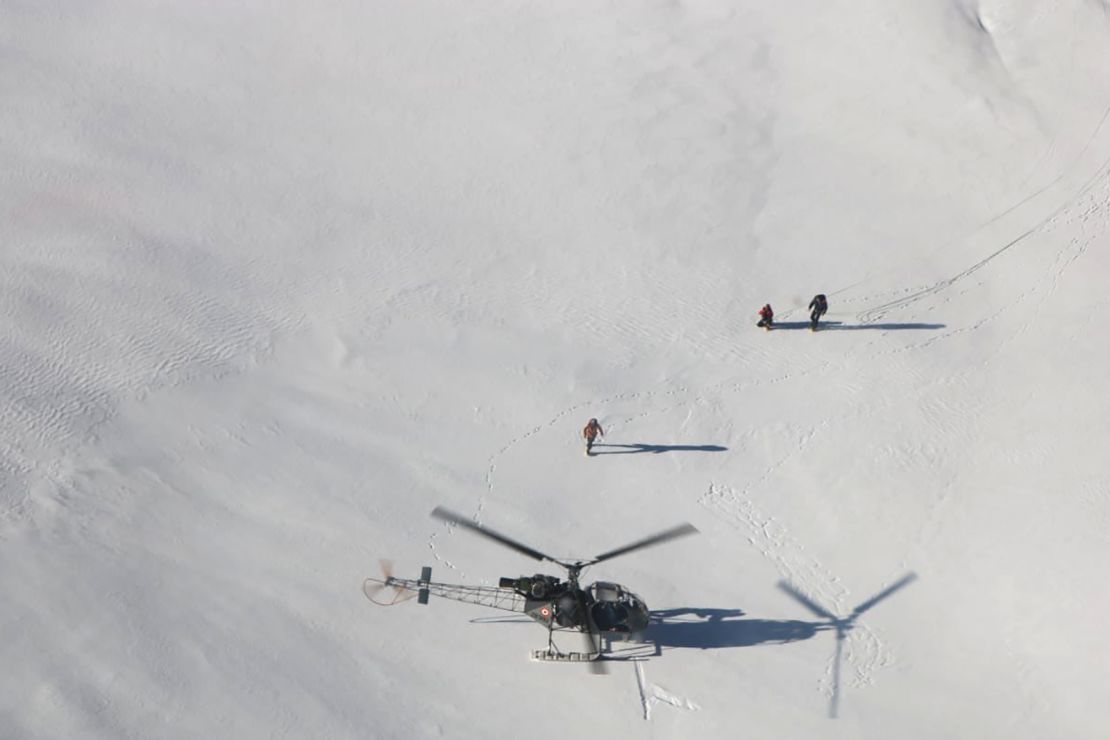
615	609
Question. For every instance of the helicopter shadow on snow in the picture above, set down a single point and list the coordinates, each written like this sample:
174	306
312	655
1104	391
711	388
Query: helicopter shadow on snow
706	629
695	628
711	629
841	326
633	449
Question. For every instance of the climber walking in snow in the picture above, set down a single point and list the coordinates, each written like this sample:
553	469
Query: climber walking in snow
766	317
591	432
817	308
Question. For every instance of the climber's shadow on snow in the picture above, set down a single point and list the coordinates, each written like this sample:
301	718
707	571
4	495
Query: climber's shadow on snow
633	449
841	326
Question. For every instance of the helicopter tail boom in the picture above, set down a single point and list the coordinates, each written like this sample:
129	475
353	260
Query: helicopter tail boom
424	588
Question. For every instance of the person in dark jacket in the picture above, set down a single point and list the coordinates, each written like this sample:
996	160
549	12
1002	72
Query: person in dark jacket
766	316
817	308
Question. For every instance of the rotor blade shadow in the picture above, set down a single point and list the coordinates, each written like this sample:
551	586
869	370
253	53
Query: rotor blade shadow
634	449
889	590
842	625
807	602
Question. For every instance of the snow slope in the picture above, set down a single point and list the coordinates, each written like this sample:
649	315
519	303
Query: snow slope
278	278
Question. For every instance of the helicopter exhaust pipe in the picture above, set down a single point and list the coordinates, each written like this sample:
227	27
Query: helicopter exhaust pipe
425	578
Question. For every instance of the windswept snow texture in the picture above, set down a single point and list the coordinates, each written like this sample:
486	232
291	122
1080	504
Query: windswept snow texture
280	277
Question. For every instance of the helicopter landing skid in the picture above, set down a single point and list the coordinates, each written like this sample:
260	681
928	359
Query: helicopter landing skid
552	656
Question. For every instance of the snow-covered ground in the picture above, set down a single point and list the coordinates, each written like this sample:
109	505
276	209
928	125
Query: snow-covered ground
278	278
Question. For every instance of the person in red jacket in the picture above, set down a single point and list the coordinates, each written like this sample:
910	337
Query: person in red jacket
591	432
766	316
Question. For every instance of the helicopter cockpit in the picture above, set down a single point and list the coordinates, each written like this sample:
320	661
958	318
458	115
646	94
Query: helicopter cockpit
616	609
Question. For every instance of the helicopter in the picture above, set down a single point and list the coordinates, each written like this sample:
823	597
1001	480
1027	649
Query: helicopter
600	609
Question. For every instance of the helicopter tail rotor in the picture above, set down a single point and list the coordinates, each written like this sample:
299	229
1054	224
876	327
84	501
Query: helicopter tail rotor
373	587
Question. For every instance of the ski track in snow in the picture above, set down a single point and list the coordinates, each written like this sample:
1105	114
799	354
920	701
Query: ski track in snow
876	313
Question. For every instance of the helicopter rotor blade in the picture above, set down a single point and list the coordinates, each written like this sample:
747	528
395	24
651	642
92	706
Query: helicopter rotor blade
807	602
449	516
901	582
660	537
592	636
598	666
